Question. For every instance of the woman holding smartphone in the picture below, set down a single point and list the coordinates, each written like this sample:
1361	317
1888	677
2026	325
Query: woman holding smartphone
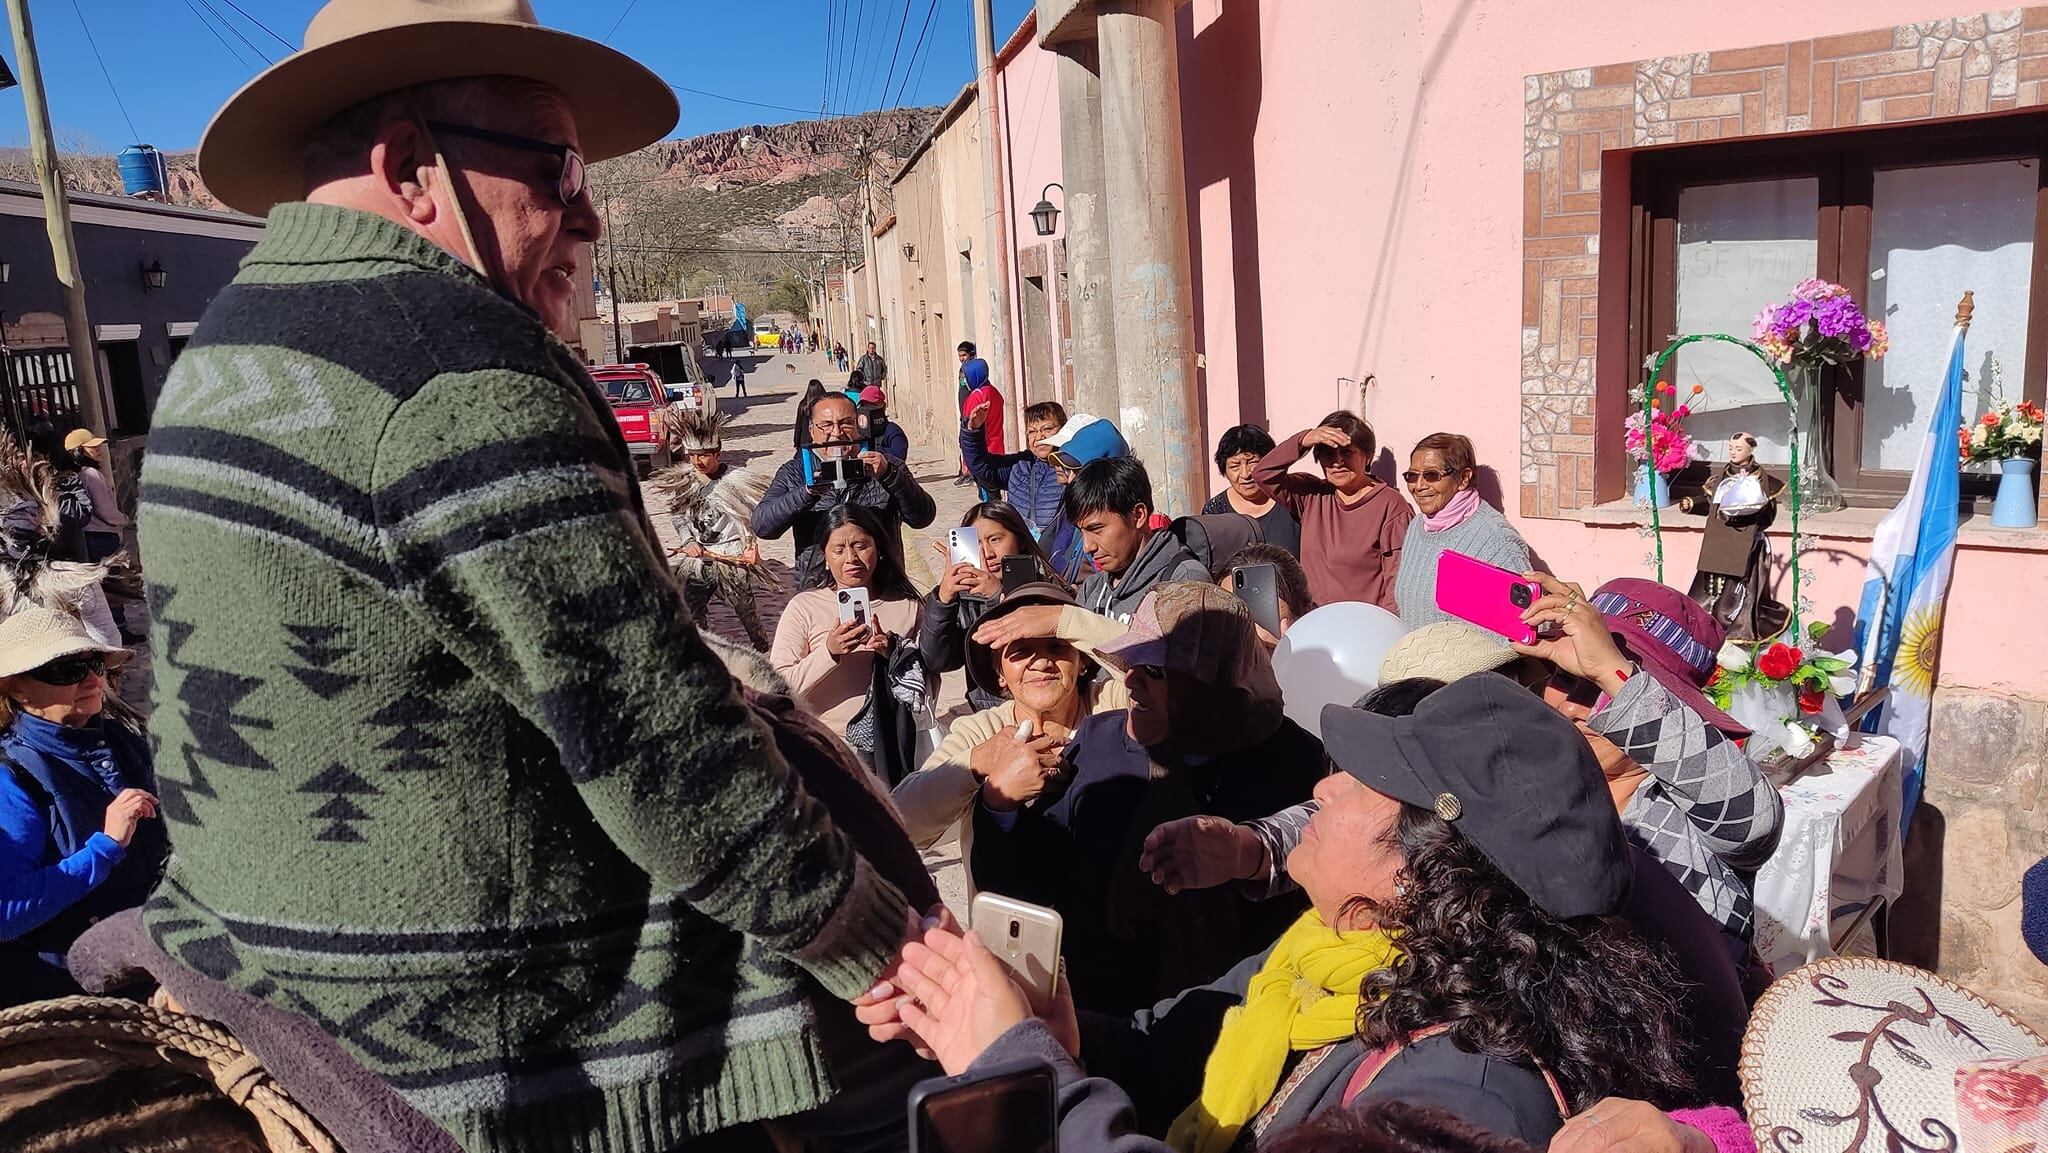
993	530
830	636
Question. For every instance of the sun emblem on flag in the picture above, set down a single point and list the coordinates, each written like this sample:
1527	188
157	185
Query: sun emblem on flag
1919	648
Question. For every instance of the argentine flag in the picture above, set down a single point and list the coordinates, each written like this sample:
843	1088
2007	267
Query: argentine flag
1907	582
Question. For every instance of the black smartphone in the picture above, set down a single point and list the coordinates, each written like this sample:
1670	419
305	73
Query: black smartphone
1258	586
1020	570
842	473
1007	1108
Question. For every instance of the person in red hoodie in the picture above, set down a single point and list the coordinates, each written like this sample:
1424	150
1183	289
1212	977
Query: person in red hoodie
983	397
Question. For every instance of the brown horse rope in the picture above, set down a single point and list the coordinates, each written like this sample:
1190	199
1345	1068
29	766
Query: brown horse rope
106	1029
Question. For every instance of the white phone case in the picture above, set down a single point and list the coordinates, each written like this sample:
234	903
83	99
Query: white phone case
853	606
963	545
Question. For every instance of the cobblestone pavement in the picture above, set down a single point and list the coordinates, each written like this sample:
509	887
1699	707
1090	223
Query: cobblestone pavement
759	430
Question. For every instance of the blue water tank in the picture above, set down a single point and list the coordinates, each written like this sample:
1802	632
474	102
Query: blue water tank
142	171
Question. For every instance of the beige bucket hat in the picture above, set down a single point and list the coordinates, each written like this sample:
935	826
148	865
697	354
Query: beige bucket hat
1858	1055
359	49
33	635
1445	651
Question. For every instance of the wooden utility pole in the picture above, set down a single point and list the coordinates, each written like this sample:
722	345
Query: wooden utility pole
995	215
57	215
867	234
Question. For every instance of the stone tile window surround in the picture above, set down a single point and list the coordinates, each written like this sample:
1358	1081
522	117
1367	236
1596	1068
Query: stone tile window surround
1593	299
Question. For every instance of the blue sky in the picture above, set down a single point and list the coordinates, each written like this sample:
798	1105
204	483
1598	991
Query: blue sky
174	61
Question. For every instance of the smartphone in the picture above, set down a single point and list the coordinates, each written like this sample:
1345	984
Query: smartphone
1005	1108
1020	570
1026	937
841	473
1486	595
963	545
1258	586
853	606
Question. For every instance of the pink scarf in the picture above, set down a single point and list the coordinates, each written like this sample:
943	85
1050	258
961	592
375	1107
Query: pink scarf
1455	512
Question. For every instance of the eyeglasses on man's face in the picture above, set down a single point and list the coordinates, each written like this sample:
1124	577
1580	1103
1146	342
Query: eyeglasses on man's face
848	427
571	179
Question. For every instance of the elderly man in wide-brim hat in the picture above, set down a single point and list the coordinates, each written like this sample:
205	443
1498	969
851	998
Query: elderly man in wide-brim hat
449	769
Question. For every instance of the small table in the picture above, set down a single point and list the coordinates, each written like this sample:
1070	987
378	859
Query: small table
1838	854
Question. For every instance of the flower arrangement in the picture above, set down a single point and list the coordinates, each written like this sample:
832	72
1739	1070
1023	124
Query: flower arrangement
1814	678
1821	324
2009	430
1660	440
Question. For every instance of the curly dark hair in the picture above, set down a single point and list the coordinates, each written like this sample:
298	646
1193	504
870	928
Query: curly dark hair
1586	997
1391	1127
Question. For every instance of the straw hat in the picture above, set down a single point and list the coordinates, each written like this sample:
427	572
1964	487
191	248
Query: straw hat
356	50
1857	1055
33	635
1444	651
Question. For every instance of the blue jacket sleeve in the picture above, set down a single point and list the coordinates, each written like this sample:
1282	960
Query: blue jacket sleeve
895	442
989	470
30	891
787	496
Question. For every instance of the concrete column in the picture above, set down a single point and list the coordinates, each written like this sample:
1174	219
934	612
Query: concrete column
1088	303
1151	289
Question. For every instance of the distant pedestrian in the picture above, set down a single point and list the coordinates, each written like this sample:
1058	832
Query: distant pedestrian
839	355
967	353
986	404
873	368
739	380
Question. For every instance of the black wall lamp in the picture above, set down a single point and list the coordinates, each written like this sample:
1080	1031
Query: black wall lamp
153	275
1046	218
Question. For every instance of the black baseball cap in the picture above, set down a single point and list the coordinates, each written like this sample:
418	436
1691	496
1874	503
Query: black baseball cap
1508	772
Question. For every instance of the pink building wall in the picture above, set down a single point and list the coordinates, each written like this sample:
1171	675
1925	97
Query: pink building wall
1028	81
1355	187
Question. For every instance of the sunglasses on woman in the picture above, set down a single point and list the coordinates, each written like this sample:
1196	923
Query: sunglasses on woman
571	179
66	671
1429	474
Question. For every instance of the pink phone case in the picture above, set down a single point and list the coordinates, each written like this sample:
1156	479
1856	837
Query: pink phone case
1489	596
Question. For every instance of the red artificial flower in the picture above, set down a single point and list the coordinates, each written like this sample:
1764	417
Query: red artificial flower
1810	701
1990	420
1779	662
2001	1096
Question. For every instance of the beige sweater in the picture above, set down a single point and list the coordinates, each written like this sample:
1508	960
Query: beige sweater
938	794
832	689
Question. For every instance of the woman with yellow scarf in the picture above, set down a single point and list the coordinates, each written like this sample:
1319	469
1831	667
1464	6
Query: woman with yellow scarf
1462	952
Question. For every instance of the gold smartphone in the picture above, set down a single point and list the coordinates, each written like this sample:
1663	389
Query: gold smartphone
1026	937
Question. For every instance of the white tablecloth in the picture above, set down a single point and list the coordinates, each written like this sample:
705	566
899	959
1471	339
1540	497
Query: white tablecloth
1838	853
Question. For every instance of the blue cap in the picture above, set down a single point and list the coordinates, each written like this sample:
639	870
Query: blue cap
1086	439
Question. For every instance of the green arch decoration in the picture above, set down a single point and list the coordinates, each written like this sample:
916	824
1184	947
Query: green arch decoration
1791	420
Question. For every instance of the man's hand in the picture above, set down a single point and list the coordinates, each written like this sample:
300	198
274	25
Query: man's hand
1335	438
1029	621
878	1007
693	549
751	556
846	637
1201	853
878	465
1014	772
1584	646
1618	1125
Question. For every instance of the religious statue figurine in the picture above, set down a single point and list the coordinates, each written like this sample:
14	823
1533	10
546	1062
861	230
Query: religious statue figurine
1734	581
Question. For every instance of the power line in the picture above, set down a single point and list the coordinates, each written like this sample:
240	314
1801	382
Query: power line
230	26
615	24
825	95
853	72
133	135
901	24
905	86
739	100
288	45
208	25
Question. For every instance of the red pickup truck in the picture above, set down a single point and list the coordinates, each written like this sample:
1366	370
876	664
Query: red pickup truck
639	400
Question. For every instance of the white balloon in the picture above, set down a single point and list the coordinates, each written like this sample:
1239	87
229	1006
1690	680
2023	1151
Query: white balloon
1332	657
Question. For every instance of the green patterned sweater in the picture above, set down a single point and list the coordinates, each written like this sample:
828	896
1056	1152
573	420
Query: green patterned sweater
447	767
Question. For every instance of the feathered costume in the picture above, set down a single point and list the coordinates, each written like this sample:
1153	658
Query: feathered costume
714	512
30	515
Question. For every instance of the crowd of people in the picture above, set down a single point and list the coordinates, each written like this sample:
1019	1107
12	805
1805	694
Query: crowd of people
482	843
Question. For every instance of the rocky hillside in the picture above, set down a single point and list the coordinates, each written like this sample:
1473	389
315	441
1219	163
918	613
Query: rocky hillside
745	207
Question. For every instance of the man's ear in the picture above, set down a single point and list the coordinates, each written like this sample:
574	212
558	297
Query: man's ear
403	161
1141	515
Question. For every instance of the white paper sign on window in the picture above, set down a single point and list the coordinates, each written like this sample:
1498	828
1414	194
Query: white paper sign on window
1741	248
1934	232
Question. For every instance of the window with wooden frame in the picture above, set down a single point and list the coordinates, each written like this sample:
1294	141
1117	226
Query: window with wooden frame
1701	237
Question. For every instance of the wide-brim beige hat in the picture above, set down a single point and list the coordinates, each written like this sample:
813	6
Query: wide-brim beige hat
32	635
1445	651
1858	1055
250	157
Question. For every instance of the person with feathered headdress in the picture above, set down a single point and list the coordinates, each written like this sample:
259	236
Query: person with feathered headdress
711	505
79	838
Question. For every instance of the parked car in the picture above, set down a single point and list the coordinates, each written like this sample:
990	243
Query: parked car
633	390
689	396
